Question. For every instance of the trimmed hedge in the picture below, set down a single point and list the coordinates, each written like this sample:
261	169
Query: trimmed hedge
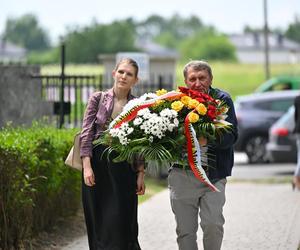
36	188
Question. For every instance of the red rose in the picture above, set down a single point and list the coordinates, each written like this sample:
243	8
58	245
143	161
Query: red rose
211	112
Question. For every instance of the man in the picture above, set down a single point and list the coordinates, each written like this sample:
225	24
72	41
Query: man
188	195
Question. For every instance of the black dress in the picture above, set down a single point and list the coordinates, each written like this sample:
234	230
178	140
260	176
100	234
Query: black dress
110	207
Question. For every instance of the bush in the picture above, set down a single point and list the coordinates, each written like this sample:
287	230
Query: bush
36	187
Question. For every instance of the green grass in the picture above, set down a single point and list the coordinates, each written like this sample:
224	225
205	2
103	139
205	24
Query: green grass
153	186
78	69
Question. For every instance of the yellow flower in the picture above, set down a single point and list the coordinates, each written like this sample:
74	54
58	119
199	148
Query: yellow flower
201	109
161	92
192	104
193	117
185	99
158	102
177	105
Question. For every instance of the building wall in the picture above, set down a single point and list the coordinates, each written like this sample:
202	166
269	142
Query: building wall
20	96
163	67
275	57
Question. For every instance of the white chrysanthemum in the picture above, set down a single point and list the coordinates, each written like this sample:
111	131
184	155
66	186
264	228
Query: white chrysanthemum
169	113
160	135
165	120
171	127
148	96
165	113
124	126
147	130
121	133
130	130
174	113
149	116
155	130
137	121
150	138
176	122
124	141
143	111
163	127
114	132
143	126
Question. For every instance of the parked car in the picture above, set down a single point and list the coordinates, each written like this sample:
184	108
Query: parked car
282	142
256	113
280	83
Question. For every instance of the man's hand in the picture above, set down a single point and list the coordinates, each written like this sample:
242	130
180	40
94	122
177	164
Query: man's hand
202	141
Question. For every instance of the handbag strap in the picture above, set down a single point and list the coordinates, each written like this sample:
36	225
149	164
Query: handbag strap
100	99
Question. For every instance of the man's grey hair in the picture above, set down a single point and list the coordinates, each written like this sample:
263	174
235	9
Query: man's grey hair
197	65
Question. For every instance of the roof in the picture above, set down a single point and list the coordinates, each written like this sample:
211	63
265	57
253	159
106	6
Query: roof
155	50
11	51
250	41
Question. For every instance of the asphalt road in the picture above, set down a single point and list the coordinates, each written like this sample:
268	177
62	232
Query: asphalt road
243	170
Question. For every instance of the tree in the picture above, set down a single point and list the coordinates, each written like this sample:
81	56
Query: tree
189	36
169	32
293	31
25	31
86	44
207	45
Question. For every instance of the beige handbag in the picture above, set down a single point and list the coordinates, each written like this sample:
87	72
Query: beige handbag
73	159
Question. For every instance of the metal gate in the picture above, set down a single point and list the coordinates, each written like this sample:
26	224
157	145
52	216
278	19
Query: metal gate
76	92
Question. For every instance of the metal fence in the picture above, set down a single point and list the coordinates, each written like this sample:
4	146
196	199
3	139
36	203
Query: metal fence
78	88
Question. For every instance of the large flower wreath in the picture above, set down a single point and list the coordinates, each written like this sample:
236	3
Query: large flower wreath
159	126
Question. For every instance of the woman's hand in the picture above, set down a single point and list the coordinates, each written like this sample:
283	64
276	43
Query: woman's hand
88	173
140	183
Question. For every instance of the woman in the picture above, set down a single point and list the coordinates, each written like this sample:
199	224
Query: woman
109	190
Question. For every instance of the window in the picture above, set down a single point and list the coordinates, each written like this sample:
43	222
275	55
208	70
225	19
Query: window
275	105
282	86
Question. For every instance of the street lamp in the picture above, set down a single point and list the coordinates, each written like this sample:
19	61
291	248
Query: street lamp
266	40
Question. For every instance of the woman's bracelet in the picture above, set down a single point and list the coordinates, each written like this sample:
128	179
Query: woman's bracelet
141	171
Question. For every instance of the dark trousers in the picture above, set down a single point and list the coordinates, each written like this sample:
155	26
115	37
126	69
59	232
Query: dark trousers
110	207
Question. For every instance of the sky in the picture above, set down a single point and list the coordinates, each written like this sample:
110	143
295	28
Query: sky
228	16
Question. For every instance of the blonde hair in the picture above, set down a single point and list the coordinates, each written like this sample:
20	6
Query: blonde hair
130	61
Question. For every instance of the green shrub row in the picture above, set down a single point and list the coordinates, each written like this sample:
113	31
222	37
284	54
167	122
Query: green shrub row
36	188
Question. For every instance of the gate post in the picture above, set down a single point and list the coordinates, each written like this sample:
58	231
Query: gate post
62	94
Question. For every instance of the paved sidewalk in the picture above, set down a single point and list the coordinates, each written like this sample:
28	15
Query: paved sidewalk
258	217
